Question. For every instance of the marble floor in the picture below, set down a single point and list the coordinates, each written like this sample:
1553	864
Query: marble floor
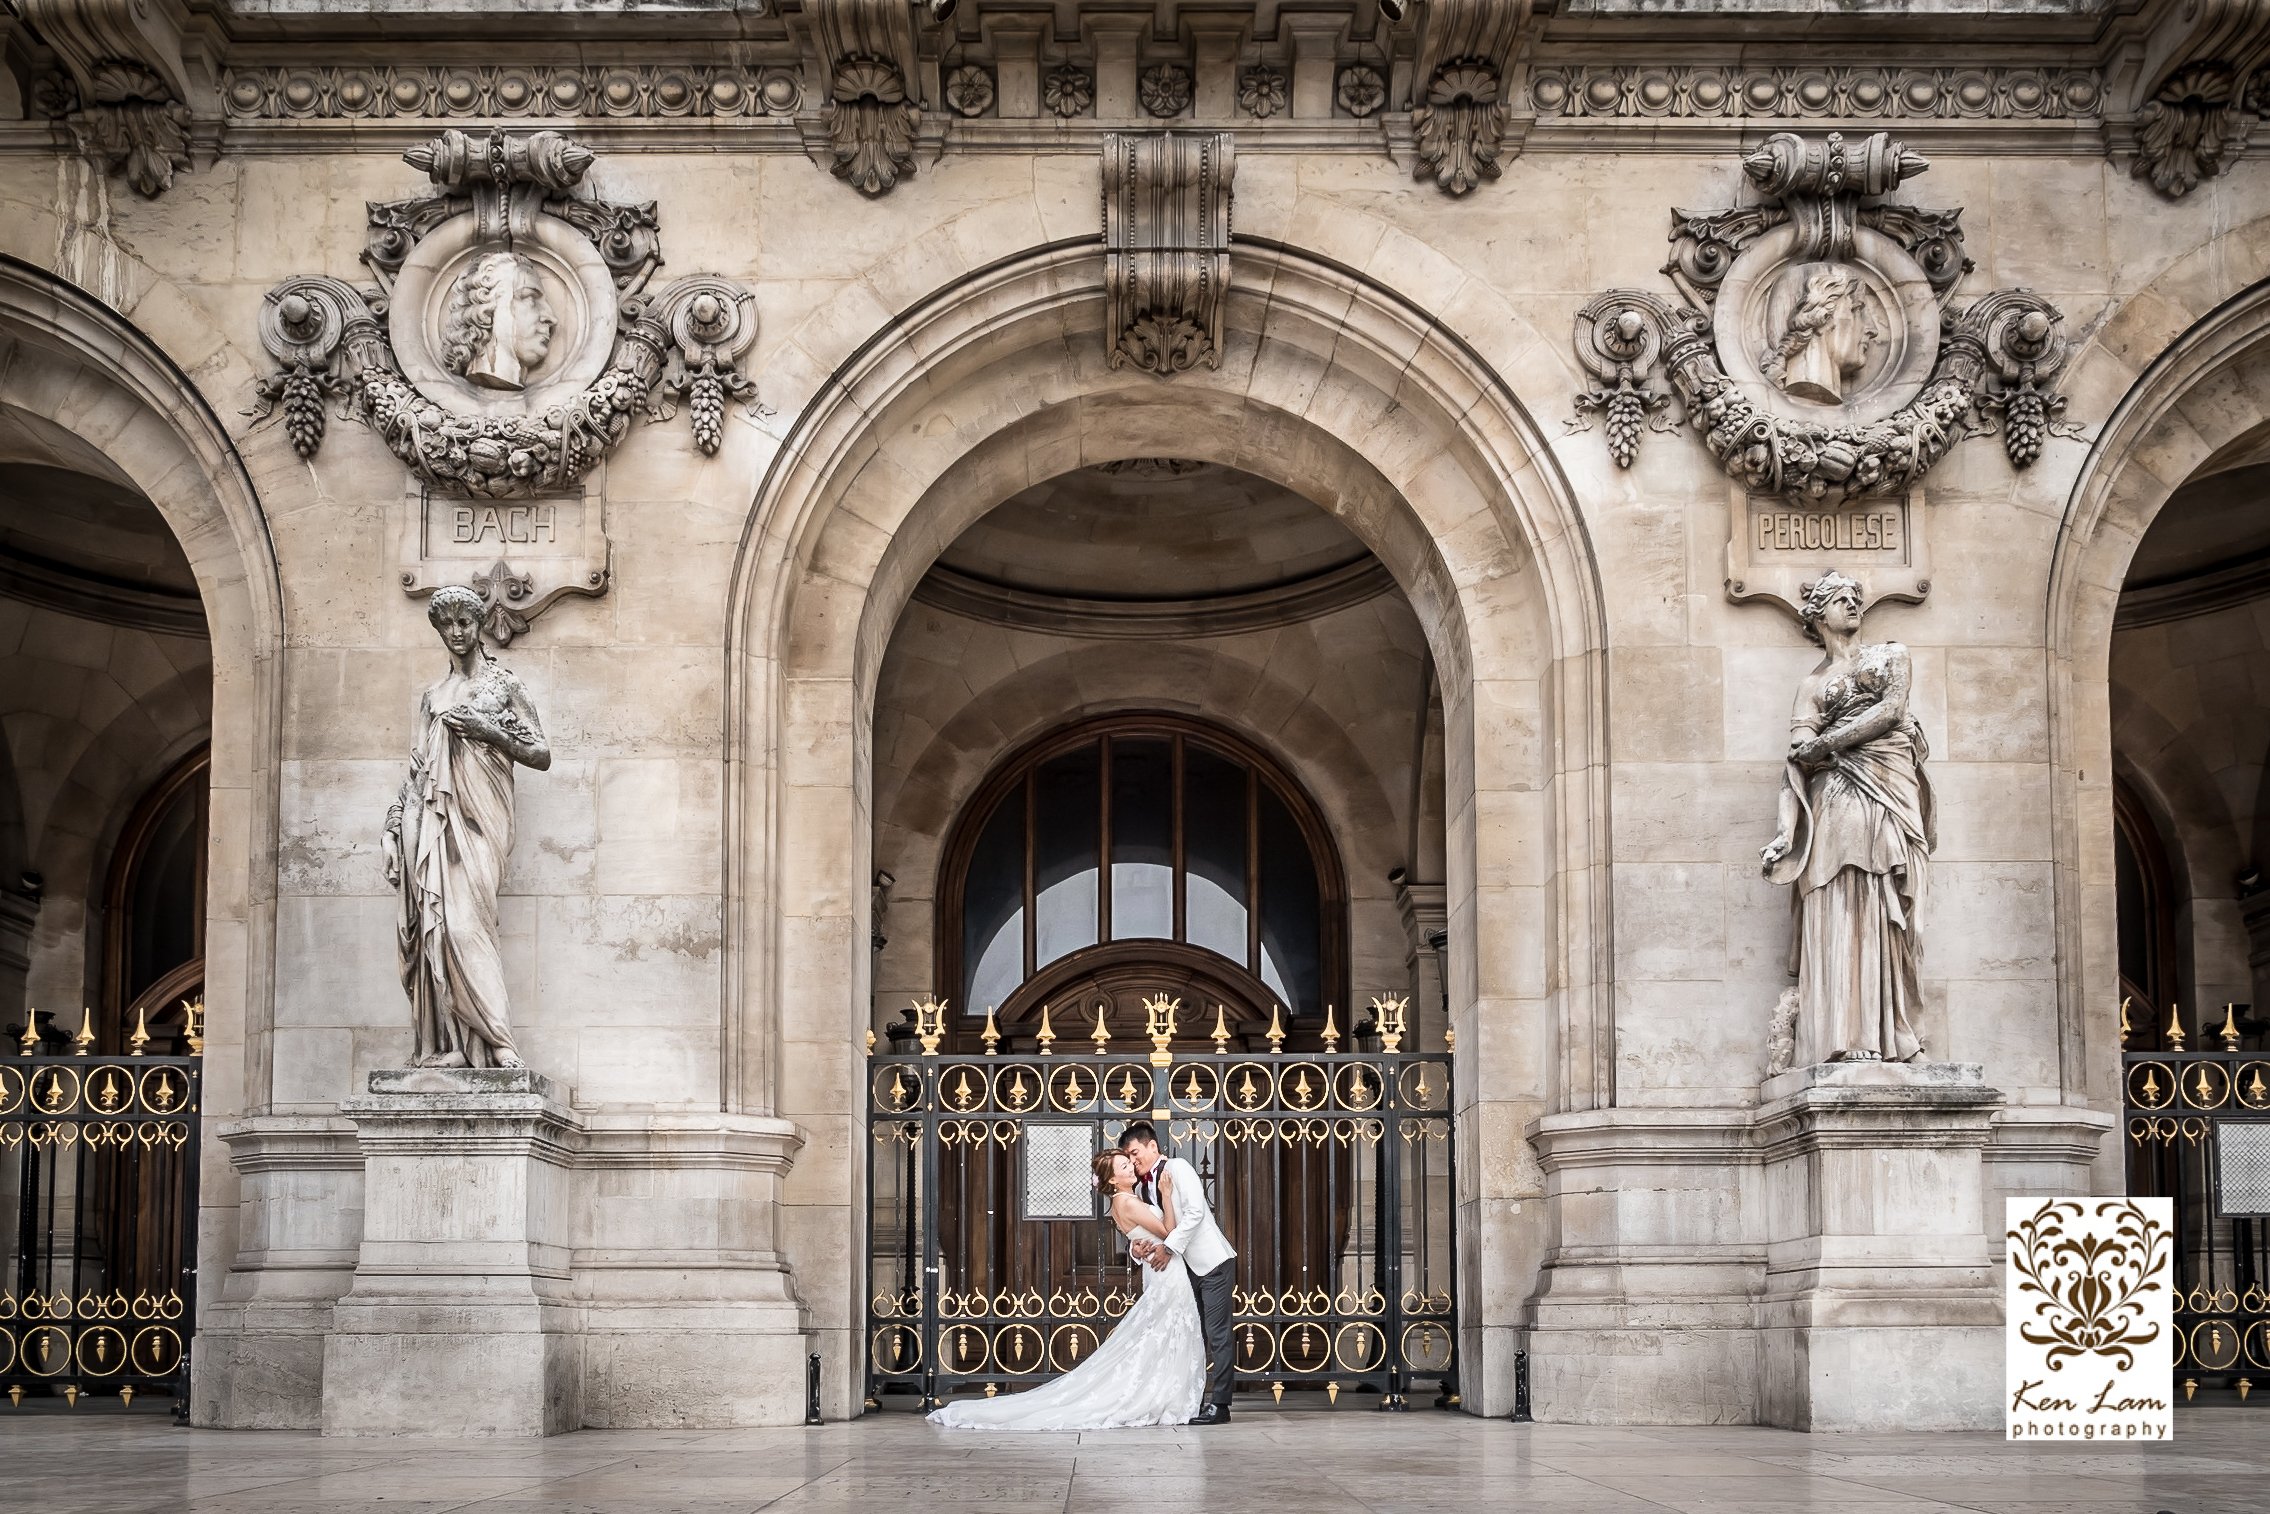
1270	1461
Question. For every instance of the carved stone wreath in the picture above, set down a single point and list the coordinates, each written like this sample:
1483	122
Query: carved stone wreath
1949	374
396	355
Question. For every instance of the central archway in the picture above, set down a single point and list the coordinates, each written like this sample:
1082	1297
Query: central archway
1332	387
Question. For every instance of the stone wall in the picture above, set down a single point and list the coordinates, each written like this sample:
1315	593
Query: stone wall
749	720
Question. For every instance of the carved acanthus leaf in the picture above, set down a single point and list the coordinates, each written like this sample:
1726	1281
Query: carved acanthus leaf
869	56
1166	199
127	107
2203	87
1458	118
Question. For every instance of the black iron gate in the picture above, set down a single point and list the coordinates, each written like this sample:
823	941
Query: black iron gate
991	1265
2198	1131
98	1225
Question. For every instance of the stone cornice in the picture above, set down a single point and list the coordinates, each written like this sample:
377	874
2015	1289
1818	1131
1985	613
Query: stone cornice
1150	619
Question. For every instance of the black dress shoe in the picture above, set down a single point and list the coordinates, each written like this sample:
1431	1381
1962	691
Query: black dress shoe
1213	1414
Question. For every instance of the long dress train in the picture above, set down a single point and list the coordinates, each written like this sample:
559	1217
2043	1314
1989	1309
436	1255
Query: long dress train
1151	1370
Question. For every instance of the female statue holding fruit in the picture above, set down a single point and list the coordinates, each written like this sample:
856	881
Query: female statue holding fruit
447	837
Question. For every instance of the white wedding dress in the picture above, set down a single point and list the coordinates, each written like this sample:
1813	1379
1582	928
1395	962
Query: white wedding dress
1151	1370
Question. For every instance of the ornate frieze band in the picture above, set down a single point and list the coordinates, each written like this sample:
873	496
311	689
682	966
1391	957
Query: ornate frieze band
1708	92
442	93
1166	223
1822	359
511	339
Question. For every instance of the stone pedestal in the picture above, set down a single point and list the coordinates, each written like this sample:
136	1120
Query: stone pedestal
459	1319
1881	1308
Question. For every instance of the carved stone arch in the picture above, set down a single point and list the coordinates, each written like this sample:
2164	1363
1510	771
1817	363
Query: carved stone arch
2189	363
67	356
1331	385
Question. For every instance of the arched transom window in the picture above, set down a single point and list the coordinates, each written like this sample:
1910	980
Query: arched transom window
1135	848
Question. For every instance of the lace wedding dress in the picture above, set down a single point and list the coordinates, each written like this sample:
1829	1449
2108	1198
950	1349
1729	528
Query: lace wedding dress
1151	1370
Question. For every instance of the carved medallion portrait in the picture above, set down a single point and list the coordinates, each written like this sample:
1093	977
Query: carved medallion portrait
1833	339
503	329
496	328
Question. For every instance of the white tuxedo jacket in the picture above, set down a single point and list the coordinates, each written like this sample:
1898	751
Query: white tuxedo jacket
1195	1237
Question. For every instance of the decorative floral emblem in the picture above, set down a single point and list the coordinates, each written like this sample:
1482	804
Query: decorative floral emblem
1069	91
1165	89
2090	1286
1262	91
511	340
969	90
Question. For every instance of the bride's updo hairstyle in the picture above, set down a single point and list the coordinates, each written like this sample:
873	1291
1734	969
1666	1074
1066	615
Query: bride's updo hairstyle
1104	1162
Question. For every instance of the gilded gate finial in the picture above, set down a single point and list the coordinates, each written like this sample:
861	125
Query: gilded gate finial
929	1024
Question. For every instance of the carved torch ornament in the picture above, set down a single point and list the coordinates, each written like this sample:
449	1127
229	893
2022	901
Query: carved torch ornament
476	415
1854	373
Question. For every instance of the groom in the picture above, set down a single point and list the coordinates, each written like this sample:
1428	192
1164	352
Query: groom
1205	1253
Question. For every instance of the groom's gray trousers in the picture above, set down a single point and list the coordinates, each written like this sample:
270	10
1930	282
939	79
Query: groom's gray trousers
1213	1292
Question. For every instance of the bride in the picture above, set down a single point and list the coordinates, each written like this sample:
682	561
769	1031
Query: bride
1151	1370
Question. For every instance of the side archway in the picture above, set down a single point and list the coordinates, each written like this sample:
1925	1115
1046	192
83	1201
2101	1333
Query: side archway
69	359
2198	394
1333	387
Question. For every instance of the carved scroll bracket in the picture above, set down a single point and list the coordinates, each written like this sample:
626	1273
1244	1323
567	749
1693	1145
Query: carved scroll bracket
512	340
1166	219
2203	87
125	83
1825	362
871	78
1461	89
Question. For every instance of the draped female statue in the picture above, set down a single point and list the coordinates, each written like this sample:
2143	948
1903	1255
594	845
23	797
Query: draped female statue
1855	829
447	837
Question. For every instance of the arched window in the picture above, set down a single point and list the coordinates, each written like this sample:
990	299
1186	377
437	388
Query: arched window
1141	854
154	910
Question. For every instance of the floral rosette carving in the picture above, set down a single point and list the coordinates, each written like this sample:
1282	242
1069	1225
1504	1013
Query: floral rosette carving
333	342
2089	1291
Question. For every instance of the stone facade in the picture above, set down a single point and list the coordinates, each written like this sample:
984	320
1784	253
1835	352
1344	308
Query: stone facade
884	304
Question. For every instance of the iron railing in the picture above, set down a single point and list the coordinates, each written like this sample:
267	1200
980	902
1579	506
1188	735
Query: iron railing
2198	1132
991	1264
98	1228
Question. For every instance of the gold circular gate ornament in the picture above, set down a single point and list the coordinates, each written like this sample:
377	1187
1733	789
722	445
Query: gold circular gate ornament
1070	1345
1256	1346
1359	1347
1426	1347
965	1349
155	1352
1073	1089
1194	1087
1250	1086
102	1351
1019	1349
895	1349
11	1089
47	1351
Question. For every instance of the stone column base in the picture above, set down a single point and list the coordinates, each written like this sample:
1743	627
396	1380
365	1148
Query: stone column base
459	1319
1881	1308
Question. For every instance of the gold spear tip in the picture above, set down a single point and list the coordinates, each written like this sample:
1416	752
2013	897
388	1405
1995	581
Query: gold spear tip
85	1039
141	1036
1276	1030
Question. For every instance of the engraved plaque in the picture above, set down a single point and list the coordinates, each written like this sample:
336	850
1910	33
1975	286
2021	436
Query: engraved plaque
1775	547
